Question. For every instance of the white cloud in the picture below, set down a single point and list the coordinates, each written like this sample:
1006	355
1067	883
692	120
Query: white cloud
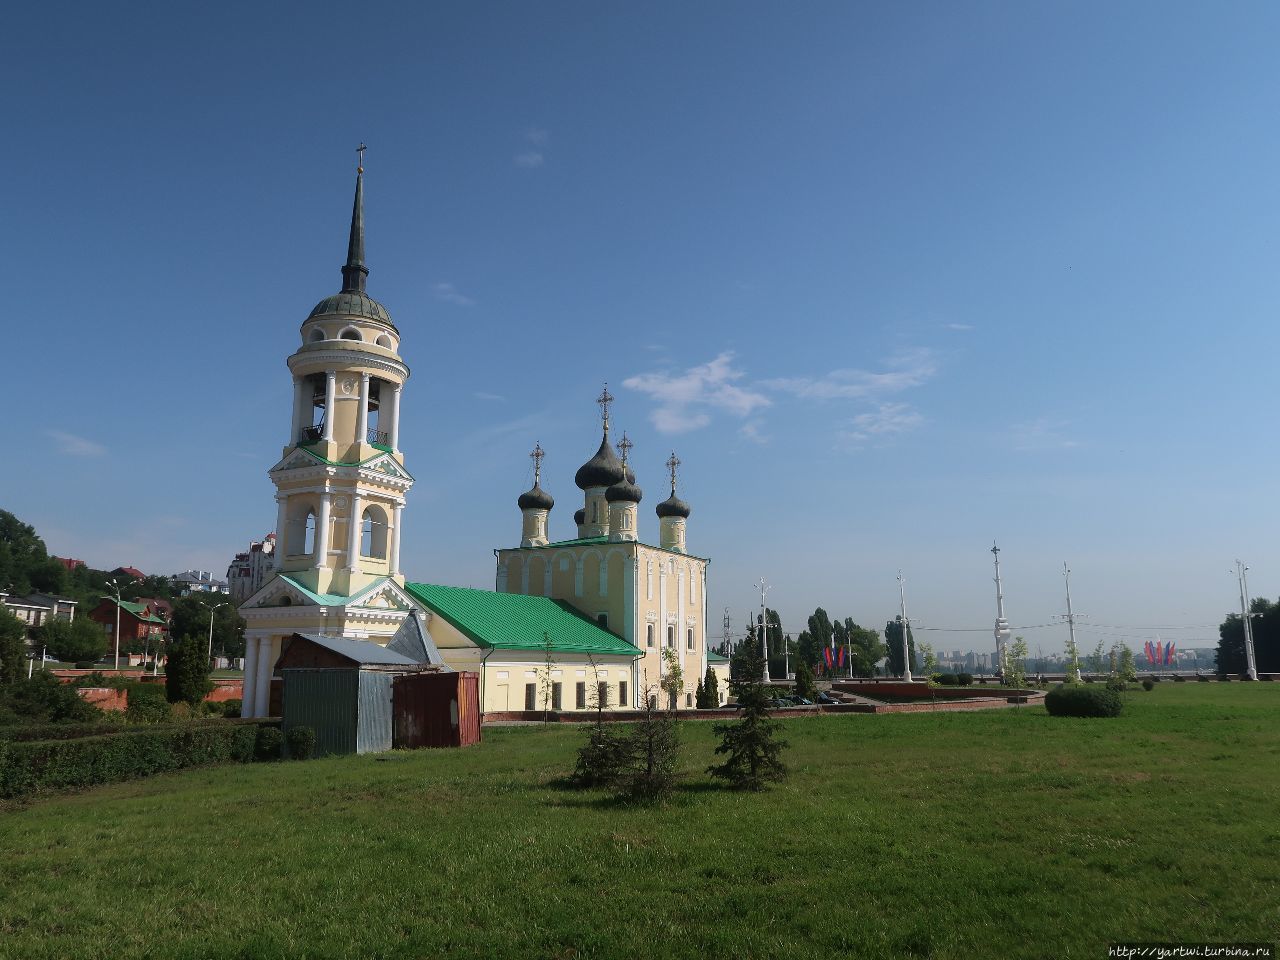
1042	434
537	136
482	395
888	419
903	371
74	446
449	294
529	158
684	399
751	431
963	327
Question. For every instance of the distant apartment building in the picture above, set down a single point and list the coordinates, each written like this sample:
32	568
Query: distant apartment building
197	581
37	609
251	569
70	563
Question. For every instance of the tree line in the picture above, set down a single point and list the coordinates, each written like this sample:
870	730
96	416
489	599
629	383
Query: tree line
864	648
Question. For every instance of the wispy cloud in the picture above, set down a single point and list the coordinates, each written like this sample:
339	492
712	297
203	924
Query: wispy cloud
963	327
448	293
685	399
74	446
902	371
888	419
1042	433
751	431
481	395
532	155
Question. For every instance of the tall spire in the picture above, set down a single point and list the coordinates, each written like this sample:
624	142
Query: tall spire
354	271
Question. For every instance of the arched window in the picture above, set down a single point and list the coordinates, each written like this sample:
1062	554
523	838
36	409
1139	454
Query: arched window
351	333
671	636
317	335
373	533
689	640
385	341
648	635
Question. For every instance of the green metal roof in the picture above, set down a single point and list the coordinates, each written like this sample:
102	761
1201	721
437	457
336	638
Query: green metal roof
306	448
509	621
332	599
591	541
572	543
716	658
352	304
137	609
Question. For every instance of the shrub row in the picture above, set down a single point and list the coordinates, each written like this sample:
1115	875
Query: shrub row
28	767
1081	701
955	679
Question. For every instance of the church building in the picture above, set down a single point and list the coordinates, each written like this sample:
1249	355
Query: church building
570	623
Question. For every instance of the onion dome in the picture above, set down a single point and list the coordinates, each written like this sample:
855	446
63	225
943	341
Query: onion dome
536	499
580	516
673	506
625	490
602	470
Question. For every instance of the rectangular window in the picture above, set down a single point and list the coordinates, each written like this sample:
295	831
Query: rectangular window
531	696
556	695
648	635
688	699
671	636
603	691
580	696
689	639
622	693
603	620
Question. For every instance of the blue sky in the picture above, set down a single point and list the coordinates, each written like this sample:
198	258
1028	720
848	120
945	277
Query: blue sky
894	280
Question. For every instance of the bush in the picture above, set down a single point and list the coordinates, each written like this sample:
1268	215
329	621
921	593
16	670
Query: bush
1081	701
268	743
44	699
1178	679
1116	684
143	708
948	679
602	759
1148	684
230	708
31	767
1224	678
86	664
964	679
301	741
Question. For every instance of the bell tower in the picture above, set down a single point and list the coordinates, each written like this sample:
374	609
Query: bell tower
341	484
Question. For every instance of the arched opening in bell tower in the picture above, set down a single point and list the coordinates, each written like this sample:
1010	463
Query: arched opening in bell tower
374	527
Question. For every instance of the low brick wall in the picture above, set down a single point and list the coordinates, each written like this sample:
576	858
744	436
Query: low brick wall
105	698
225	690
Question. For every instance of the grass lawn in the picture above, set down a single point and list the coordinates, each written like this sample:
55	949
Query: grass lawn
1006	833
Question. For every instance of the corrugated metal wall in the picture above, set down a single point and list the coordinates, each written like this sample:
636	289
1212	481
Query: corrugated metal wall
437	710
373	731
324	699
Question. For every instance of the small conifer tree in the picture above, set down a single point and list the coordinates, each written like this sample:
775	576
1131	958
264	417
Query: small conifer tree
805	687
603	759
750	744
711	689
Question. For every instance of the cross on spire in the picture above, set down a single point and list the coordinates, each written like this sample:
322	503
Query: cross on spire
672	463
536	456
624	447
604	400
360	163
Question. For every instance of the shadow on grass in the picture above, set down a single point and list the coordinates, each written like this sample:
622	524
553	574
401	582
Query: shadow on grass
685	791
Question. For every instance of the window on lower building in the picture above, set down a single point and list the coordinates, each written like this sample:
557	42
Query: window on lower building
648	635
531	696
689	639
556	695
622	693
671	636
580	696
688	699
603	620
602	690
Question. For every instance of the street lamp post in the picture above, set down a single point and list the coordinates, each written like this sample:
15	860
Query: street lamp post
764	629
211	613
116	587
906	646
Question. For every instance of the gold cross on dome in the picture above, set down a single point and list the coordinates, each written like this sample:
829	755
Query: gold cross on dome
672	463
604	400
537	455
624	447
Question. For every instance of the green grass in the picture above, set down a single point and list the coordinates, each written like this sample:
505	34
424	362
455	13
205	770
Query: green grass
997	834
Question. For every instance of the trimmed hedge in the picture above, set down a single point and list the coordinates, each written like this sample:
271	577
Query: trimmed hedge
46	765
1079	701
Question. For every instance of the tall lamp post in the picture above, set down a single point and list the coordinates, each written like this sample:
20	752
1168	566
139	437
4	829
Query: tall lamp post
764	629
116	587
211	613
906	646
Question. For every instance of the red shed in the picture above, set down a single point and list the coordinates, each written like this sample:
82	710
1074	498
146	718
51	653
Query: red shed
436	710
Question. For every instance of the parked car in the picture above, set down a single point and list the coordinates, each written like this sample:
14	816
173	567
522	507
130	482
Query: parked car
825	697
802	702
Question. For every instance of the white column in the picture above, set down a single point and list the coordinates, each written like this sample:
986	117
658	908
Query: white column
282	520
262	688
394	430
247	702
322	532
297	411
353	535
395	540
330	385
362	430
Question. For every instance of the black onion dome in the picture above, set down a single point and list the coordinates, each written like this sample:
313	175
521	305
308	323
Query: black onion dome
625	491
580	516
536	499
602	470
673	506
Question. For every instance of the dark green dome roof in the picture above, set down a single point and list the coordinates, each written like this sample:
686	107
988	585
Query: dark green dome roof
352	304
625	491
602	470
673	506
536	499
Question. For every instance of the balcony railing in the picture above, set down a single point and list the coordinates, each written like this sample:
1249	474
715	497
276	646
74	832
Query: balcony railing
310	434
379	438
